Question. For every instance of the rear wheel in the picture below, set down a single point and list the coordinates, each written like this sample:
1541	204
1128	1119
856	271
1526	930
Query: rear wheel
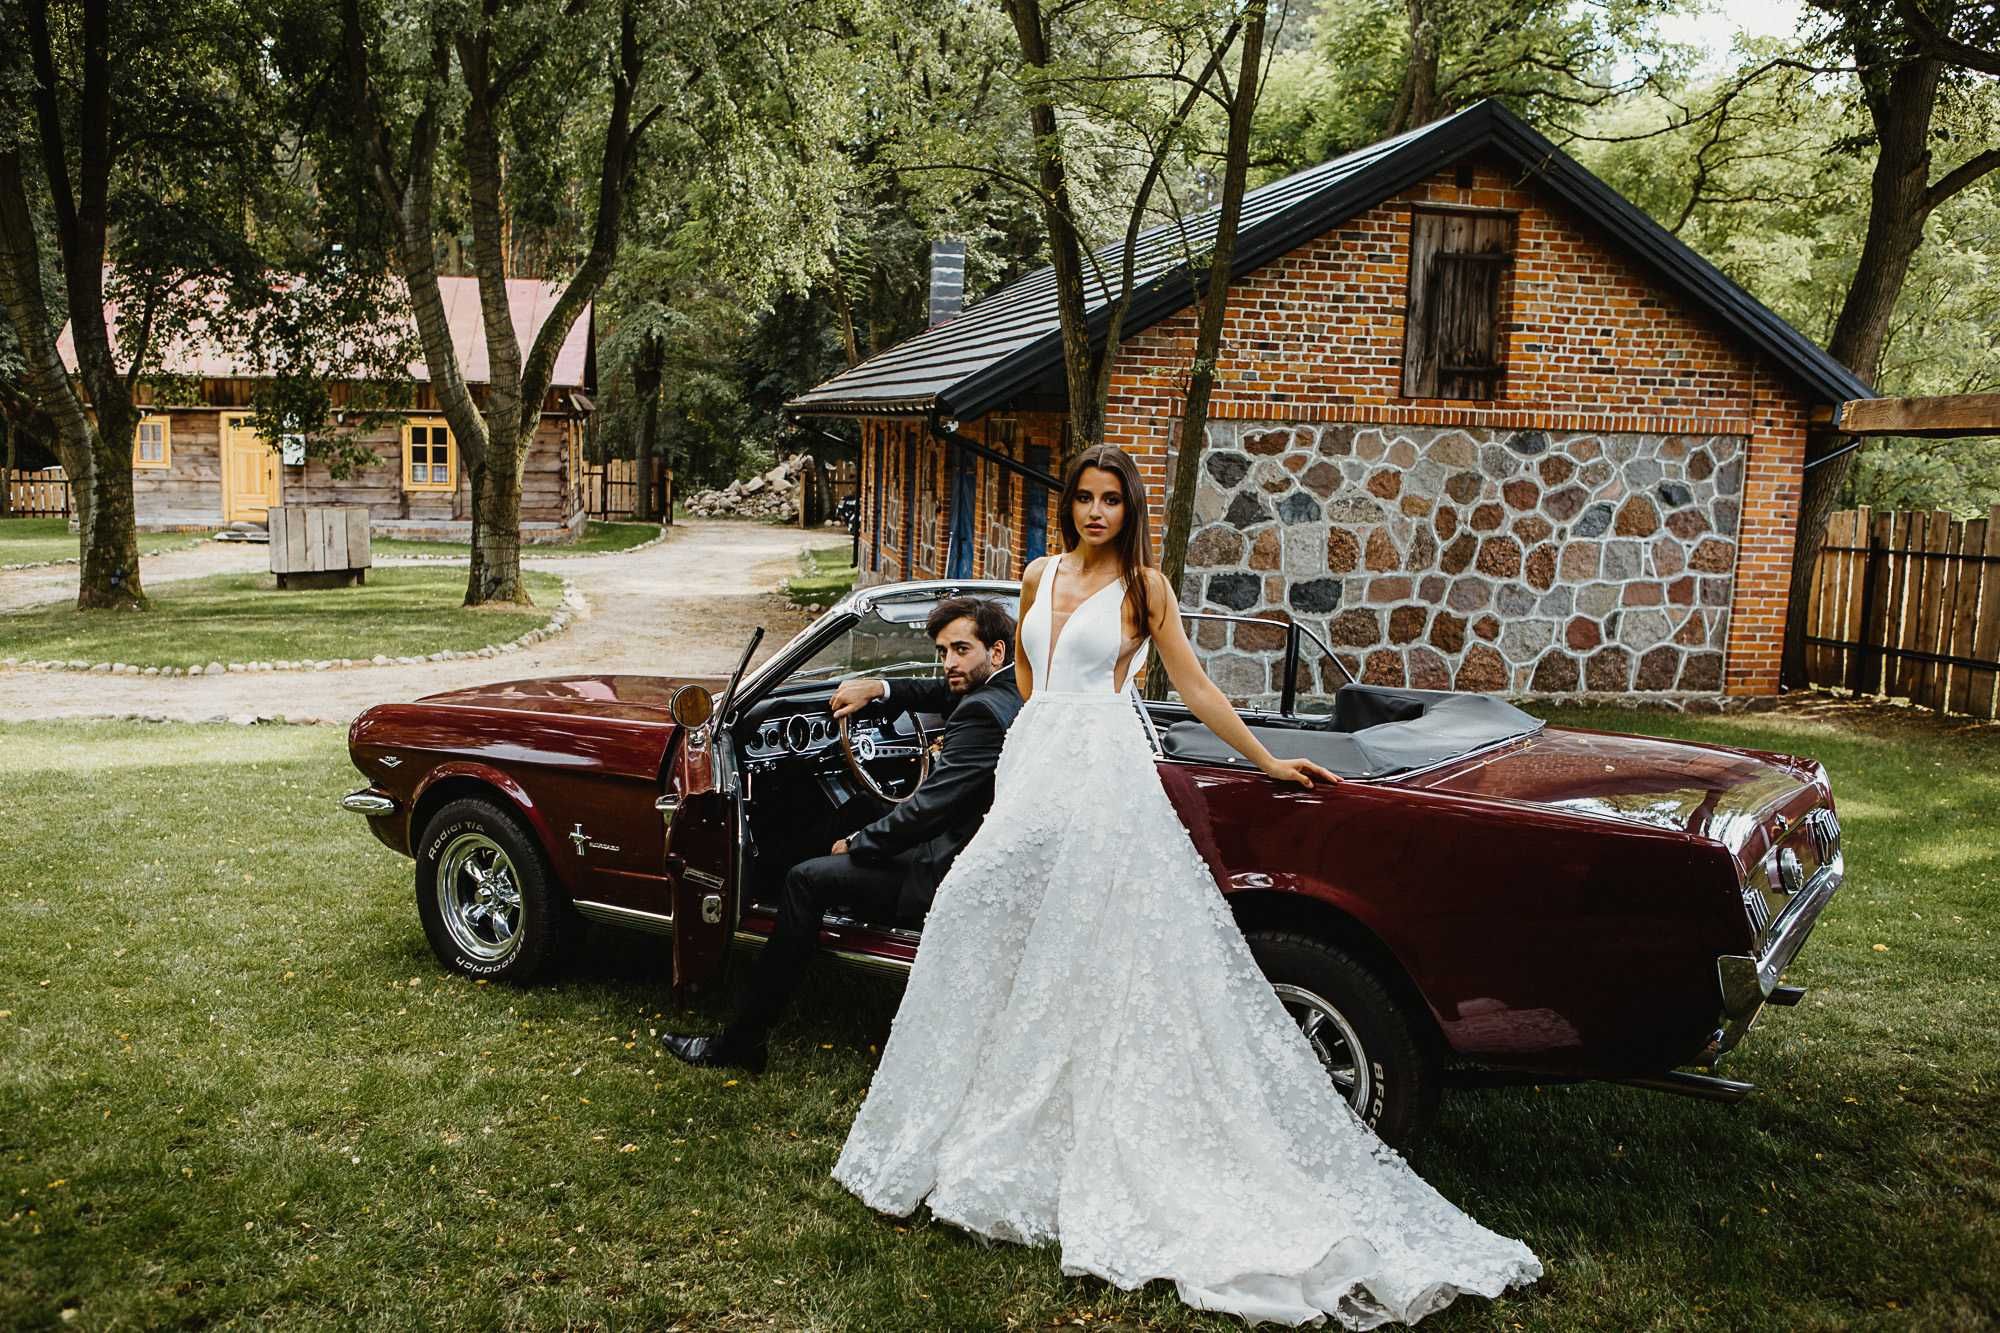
1377	1055
488	903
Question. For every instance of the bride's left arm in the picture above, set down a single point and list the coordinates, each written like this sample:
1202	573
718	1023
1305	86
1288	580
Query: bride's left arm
1202	697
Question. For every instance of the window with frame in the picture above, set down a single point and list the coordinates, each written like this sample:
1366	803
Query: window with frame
430	456
1453	303
152	443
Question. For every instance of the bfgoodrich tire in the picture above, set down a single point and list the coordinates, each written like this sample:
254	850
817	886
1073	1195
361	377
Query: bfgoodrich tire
1378	1056
488	902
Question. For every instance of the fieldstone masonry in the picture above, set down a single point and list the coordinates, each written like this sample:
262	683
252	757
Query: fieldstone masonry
1522	562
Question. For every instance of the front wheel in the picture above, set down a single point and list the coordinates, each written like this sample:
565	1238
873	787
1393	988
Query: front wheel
485	895
1375	1053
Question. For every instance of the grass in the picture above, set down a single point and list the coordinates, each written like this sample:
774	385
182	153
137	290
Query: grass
239	1092
598	539
28	541
245	618
828	576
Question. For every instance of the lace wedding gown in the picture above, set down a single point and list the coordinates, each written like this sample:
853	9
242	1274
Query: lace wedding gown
1087	1053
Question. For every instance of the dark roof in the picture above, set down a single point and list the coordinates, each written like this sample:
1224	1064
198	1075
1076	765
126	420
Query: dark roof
1007	341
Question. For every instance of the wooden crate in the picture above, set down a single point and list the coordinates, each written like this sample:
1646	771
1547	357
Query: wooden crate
319	545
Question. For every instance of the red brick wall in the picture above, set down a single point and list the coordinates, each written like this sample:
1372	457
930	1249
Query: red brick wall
1588	343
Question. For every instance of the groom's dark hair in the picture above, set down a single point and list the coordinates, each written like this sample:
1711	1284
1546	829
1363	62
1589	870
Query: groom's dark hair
990	622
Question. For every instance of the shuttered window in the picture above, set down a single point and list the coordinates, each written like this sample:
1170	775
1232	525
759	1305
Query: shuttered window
1451	329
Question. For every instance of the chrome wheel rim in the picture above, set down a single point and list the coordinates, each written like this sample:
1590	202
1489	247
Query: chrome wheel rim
1334	1041
479	897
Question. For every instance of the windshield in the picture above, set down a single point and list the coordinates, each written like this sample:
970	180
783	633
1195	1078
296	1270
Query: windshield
888	640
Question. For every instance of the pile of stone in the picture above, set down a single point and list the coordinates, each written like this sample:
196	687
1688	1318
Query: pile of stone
772	494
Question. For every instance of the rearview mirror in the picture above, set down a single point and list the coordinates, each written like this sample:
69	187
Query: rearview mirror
690	705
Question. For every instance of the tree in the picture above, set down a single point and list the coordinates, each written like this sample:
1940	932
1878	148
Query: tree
1901	78
1211	308
502	58
143	168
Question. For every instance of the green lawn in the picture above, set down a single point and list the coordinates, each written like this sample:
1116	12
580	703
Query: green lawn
827	576
239	1092
245	618
598	539
27	541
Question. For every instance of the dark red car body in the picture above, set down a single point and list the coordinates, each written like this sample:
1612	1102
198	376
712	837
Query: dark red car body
1570	903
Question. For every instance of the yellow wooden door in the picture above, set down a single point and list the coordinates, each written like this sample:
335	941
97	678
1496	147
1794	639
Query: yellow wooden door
249	472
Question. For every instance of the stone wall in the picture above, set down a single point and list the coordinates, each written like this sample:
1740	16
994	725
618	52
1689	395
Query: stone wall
1522	562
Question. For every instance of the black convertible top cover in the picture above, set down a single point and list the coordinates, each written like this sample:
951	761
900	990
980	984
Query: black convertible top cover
1373	732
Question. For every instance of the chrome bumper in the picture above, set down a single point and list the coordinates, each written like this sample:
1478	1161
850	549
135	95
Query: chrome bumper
368	802
1747	982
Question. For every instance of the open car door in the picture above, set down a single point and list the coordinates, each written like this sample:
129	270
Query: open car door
700	810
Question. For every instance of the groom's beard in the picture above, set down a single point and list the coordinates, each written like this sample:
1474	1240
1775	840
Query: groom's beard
973	678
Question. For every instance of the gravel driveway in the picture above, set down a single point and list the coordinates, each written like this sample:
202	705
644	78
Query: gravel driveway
686	605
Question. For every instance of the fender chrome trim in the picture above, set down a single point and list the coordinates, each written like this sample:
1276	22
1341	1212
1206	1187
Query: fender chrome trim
368	801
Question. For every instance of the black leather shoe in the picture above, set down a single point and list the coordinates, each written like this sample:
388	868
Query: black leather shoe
714	1052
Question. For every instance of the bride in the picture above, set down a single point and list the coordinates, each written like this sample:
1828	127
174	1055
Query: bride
1087	1054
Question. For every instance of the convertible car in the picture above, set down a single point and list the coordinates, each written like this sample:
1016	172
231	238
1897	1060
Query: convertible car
1486	899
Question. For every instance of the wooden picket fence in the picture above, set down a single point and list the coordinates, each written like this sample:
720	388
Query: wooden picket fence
39	494
1907	605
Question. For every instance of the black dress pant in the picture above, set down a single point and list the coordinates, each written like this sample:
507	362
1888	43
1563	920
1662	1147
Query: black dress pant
812	888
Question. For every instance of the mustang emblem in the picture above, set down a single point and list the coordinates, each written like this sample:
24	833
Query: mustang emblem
584	842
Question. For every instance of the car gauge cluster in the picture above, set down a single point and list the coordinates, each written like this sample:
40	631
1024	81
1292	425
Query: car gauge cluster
802	733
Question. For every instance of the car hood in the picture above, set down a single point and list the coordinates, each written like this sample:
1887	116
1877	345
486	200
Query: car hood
630	698
1710	791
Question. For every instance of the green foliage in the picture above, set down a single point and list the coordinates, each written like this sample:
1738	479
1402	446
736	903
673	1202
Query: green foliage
1772	187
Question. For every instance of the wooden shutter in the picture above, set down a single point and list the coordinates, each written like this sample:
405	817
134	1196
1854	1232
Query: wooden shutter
1451	327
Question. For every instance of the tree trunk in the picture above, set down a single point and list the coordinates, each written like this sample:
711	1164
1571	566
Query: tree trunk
1065	246
495	575
7	470
1208	327
1900	101
1417	98
647	372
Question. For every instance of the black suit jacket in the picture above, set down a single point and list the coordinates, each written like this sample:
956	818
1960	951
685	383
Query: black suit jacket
937	822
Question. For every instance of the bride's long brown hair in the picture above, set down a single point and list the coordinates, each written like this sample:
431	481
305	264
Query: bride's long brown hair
1135	537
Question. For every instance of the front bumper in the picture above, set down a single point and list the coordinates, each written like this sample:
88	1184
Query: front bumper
1748	982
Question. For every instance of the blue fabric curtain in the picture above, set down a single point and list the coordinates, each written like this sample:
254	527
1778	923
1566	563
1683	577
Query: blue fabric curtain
1035	507
965	489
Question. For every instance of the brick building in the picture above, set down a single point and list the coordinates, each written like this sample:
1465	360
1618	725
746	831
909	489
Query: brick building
1479	423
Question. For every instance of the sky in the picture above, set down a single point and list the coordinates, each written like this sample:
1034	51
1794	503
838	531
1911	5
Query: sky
1716	27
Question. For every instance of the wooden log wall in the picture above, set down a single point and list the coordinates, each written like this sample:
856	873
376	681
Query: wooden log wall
1907	605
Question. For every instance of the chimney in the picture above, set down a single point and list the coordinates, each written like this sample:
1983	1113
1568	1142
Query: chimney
947	280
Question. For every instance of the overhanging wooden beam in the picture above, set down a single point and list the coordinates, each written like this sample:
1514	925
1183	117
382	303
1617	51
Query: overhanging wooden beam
1938	418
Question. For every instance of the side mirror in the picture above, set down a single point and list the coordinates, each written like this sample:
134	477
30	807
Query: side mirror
691	705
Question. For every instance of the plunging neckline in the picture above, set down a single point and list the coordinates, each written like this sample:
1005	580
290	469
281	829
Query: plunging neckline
1055	634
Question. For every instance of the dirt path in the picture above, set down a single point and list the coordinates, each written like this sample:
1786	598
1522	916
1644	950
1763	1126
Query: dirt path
685	605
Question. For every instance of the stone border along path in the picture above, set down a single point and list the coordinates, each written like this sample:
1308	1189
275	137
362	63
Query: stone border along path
571	606
682	607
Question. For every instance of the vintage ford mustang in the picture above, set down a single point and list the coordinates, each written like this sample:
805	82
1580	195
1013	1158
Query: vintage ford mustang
1488	898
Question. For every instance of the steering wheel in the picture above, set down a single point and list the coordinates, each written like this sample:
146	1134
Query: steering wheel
858	756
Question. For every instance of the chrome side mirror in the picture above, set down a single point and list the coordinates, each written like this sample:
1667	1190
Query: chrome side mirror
691	705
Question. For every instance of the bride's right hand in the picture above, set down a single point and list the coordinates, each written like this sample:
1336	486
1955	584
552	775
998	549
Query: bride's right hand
1301	771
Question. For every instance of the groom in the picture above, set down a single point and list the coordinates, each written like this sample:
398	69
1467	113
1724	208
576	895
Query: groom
889	870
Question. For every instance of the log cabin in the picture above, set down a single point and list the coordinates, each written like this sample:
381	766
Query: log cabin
200	465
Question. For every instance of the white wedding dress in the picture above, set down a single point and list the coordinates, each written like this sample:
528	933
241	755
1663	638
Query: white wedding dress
1087	1053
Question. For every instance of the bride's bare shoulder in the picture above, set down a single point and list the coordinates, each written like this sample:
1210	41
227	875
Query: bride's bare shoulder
1031	577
